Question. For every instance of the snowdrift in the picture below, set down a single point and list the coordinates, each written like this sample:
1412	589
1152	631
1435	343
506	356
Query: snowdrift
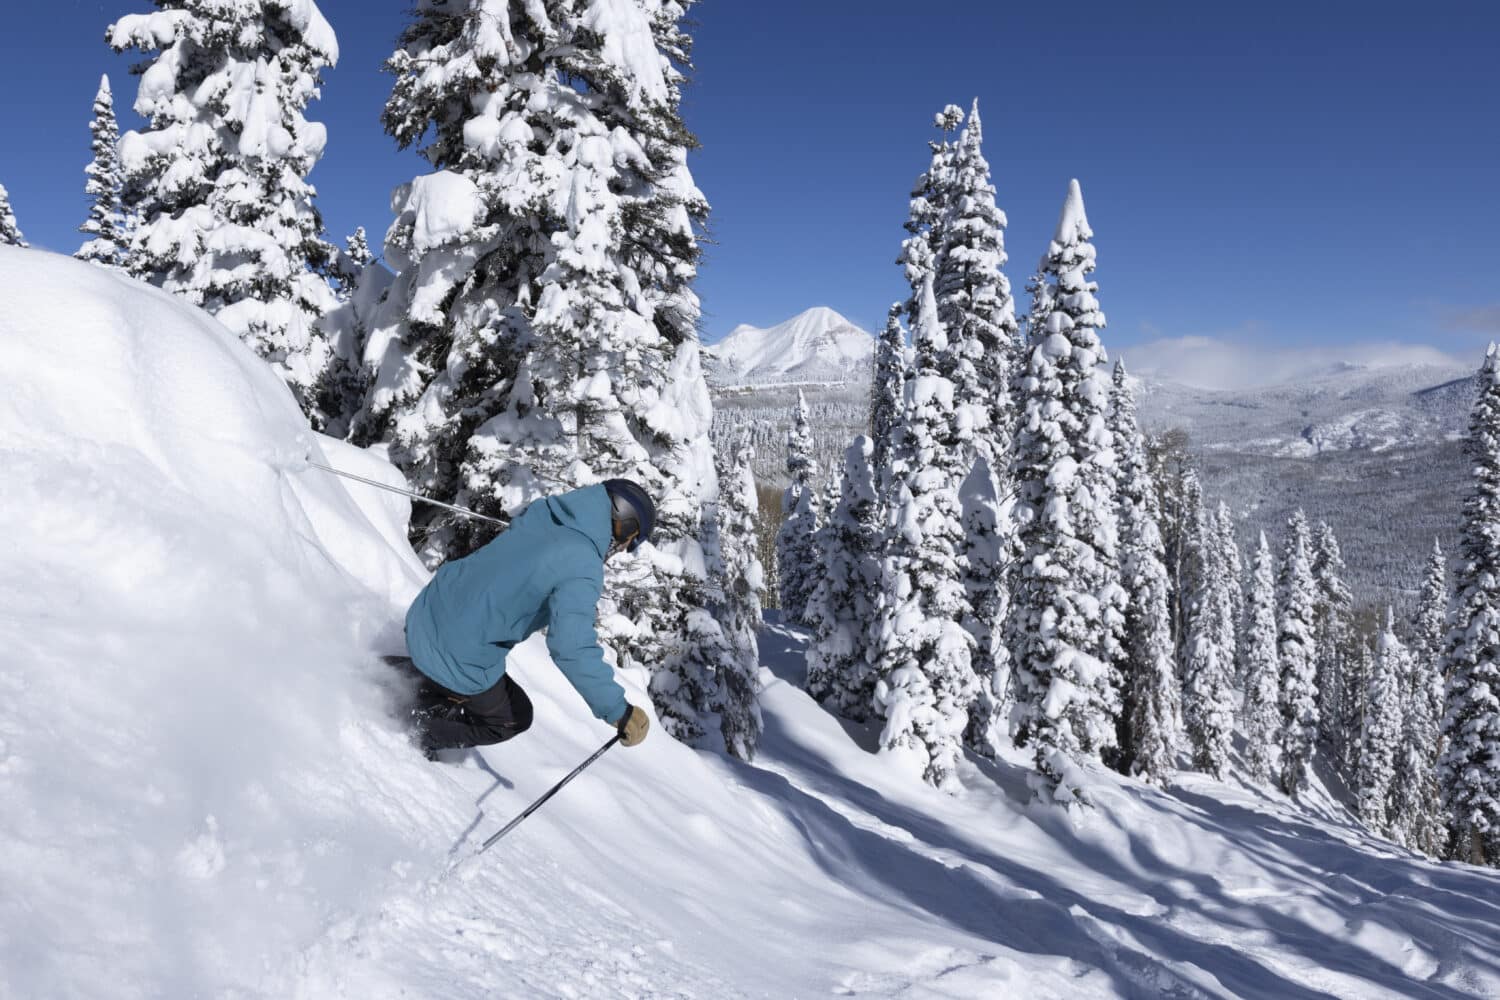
204	789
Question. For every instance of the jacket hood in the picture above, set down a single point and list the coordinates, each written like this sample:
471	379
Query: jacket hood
586	511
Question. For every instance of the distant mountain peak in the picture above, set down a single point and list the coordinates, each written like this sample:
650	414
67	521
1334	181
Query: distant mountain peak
817	345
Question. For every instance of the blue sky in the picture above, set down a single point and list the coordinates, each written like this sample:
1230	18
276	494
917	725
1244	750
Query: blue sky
1315	176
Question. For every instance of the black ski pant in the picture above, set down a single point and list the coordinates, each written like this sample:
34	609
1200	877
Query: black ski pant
447	720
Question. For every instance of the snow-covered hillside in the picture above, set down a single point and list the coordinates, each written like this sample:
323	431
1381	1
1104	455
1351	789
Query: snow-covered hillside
207	792
817	346
1374	451
1348	408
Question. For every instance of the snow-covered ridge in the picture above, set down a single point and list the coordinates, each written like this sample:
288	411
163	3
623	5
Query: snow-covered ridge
817	347
1344	408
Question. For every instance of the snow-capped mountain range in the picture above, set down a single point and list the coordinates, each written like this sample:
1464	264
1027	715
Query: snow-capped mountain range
817	346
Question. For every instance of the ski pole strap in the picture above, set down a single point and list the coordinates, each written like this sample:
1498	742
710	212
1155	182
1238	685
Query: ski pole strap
550	792
408	493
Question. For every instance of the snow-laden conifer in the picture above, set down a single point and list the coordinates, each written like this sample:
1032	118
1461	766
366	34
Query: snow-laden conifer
1467	771
542	331
10	232
1192	559
973	297
885	394
1232	568
106	222
1151	691
1166	476
527	345
965	233
738	605
1430	621
986	554
829	494
351	262
928	211
1339	702
1262	706
1062	627
216	183
926	683
341	389
1417	818
688	685
797	549
1295	648
839	659
1380	740
1207	698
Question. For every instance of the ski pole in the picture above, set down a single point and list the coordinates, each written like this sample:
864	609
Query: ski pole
551	792
408	493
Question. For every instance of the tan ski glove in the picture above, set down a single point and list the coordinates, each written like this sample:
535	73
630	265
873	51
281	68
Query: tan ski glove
632	726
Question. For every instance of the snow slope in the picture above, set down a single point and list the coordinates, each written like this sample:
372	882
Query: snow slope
206	791
817	346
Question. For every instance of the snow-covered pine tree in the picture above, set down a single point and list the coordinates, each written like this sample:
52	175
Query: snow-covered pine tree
1382	730
964	232
885	394
542	332
985	558
738	607
1189	558
825	545
1355	681
1233	571
929	211
217	182
1262	707
688	690
106	222
1430	621
1066	602
926	682
1151	692
1207	697
351	263
341	389
10	232
1340	728
828	501
357	248
1467	771
1295	648
1416	803
839	659
797	554
1169	463
973	297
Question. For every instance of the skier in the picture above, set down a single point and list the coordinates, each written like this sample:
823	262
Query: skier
544	571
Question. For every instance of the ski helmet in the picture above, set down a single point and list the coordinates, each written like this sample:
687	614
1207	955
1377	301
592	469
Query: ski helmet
632	514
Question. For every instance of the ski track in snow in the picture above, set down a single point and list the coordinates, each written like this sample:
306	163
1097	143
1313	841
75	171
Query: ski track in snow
207	791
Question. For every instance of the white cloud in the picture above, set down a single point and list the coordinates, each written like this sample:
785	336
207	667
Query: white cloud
1234	363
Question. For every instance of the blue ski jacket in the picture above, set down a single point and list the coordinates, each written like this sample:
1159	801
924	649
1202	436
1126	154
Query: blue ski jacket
544	571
